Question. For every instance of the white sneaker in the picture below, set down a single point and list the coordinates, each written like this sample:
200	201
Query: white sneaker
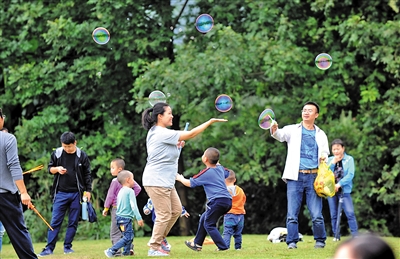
335	239
159	252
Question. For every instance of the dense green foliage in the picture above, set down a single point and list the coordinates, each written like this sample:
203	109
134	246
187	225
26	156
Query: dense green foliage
55	78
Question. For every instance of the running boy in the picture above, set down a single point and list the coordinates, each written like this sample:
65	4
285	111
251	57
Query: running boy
127	210
116	166
234	219
212	179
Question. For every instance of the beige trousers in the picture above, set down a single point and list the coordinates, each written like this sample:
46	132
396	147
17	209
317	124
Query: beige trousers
168	208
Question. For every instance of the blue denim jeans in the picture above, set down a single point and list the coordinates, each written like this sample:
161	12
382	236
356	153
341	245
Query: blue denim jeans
125	226
63	202
295	191
348	209
208	222
233	226
2	231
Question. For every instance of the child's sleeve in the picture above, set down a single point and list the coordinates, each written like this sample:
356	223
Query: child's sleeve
226	172
110	195
134	207
148	208
183	211
243	196
200	178
137	189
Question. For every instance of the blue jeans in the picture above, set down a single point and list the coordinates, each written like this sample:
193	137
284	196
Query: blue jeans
233	226
348	208
208	222
295	190
2	230
64	201
13	220
125	226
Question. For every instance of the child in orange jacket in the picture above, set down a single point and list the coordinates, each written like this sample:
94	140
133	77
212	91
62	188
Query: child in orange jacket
234	219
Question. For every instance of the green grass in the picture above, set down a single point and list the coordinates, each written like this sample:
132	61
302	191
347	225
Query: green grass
254	246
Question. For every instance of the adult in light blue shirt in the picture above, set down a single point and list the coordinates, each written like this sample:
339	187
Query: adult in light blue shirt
342	165
307	146
163	149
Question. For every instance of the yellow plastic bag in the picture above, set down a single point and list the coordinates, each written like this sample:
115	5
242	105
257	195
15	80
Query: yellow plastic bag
324	184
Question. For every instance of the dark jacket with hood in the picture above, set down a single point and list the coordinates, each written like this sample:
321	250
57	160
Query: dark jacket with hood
82	168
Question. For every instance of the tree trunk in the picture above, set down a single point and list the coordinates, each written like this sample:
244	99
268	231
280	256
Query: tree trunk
184	223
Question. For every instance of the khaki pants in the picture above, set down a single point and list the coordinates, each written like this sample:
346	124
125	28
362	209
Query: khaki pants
168	208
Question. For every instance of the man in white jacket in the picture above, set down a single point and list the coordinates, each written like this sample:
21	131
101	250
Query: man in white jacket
307	146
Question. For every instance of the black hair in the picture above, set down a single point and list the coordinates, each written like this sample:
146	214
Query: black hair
67	138
1	113
368	246
337	142
119	162
150	115
312	103
213	155
123	175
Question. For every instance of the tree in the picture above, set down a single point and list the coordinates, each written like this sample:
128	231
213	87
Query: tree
261	53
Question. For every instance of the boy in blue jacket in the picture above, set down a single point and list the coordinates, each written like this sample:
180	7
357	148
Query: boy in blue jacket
212	178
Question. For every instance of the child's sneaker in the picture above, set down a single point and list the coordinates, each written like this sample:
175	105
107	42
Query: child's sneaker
165	245
108	253
45	252
68	251
159	252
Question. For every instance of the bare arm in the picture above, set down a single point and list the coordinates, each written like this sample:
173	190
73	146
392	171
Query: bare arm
185	135
183	180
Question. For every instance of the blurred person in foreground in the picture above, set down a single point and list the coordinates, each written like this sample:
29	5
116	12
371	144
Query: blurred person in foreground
366	246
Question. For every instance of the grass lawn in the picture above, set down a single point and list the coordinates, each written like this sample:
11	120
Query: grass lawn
254	246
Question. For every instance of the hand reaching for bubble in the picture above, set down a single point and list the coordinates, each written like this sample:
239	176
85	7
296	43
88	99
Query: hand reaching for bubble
274	127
